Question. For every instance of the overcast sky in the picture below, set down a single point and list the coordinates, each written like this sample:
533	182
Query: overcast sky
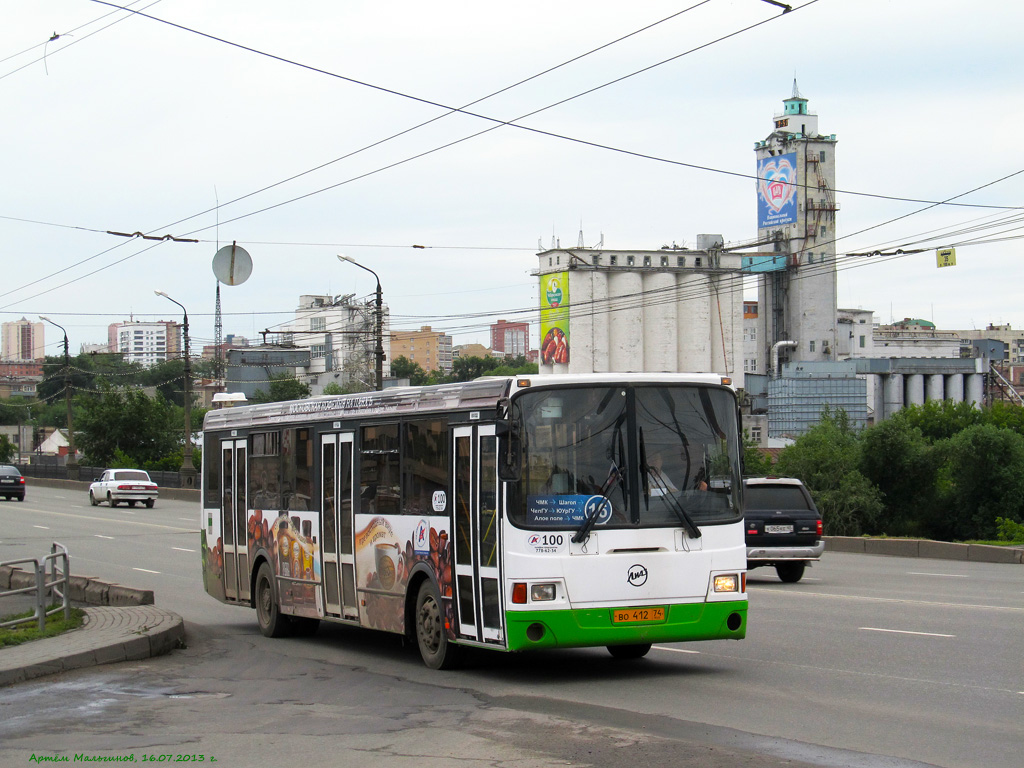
129	124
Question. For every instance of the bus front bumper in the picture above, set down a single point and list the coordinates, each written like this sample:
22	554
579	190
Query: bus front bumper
577	628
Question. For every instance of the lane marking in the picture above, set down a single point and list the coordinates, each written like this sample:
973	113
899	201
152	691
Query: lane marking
947	575
44	527
182	549
825	670
116	521
187	519
904	632
101	536
673	650
864	598
145	570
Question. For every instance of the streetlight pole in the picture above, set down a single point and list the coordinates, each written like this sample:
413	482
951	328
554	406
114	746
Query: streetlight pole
188	470
72	463
380	321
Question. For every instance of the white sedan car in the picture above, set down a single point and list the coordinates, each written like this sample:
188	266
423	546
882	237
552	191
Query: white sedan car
128	485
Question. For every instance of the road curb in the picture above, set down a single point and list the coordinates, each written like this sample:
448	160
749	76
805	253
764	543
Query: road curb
109	635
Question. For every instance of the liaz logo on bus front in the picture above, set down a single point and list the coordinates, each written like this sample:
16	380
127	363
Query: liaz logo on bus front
637	575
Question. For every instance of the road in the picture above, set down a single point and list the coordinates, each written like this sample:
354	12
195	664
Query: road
868	661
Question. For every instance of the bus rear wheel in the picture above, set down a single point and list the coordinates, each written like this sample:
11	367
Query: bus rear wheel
272	622
637	651
431	636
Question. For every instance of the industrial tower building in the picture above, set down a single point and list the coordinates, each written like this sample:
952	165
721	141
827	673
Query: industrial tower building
797	216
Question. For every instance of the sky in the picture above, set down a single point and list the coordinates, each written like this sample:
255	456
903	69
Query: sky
302	131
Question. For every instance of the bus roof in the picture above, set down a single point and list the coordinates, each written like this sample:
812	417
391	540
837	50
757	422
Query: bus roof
482	393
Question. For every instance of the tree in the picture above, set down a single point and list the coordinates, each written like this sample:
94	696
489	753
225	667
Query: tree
7	449
755	462
939	420
404	368
983	479
283	387
143	429
827	459
904	467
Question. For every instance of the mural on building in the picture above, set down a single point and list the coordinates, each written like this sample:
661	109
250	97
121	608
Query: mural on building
776	190
554	318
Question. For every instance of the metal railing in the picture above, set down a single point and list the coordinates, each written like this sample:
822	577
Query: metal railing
49	576
163	478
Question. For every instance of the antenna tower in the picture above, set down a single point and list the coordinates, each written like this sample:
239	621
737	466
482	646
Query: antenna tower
218	341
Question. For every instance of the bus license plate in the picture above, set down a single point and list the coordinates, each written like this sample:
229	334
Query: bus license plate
633	615
778	529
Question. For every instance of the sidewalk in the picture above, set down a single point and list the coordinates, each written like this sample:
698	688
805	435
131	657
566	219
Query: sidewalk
110	634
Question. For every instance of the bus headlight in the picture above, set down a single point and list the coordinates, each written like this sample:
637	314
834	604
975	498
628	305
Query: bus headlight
727	582
542	592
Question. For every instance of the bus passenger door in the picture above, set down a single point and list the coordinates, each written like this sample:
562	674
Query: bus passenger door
477	588
336	525
233	511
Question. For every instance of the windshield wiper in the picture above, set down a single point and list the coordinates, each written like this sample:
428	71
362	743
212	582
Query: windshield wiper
660	485
615	477
584	531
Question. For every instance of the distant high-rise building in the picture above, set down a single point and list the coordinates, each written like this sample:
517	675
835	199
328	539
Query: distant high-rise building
510	339
341	334
145	343
23	340
431	350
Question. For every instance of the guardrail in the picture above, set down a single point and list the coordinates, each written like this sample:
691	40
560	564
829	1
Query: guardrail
48	577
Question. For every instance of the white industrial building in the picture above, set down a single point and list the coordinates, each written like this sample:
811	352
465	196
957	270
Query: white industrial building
670	310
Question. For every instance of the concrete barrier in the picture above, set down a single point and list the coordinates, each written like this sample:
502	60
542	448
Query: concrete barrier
81	589
982	553
845	544
897	547
937	550
944	550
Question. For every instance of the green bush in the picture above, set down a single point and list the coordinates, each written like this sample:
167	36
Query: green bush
1009	530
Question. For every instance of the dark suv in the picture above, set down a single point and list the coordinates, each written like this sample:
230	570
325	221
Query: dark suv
12	484
783	525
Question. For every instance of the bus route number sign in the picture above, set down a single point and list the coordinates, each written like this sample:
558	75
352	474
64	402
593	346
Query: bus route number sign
637	615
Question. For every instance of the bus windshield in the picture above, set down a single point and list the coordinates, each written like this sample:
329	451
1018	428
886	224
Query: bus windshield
626	457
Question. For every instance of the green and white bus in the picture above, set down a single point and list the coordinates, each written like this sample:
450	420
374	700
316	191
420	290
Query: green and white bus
506	513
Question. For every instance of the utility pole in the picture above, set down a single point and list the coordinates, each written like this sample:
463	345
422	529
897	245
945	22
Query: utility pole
72	463
379	323
188	470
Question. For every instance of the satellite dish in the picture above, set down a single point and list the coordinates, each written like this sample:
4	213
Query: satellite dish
232	265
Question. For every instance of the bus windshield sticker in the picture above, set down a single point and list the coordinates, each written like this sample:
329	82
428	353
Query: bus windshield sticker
543	543
439	501
567	510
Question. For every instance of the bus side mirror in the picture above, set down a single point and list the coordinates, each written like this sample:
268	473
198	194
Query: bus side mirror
509	450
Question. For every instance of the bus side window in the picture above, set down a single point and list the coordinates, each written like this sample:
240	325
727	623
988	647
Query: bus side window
379	490
211	462
424	466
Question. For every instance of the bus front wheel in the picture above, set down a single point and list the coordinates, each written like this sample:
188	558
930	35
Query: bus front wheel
431	637
637	651
273	623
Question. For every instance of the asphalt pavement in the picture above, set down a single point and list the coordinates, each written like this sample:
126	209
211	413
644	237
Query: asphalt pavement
129	633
